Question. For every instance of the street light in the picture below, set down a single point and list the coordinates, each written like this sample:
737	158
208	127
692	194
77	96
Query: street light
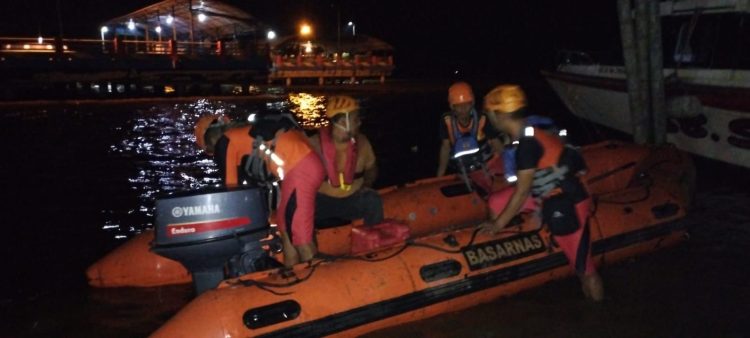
271	35
201	17
354	28
305	30
131	25
170	19
103	30
158	30
40	39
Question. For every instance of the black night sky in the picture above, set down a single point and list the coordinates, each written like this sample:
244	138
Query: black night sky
481	39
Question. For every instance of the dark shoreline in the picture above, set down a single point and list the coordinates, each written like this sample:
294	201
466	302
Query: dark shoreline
390	87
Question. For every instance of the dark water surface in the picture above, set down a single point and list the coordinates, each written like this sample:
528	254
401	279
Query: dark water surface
77	182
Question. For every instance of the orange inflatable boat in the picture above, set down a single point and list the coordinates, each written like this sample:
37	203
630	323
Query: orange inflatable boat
640	195
426	206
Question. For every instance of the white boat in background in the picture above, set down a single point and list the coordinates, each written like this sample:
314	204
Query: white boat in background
707	80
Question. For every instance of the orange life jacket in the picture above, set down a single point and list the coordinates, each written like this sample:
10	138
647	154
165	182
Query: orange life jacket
288	148
240	146
291	146
549	171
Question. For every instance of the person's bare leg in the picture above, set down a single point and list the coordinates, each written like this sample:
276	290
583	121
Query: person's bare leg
291	257
593	287
306	251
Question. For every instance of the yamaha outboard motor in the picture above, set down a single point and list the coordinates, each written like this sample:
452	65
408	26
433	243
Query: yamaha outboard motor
214	231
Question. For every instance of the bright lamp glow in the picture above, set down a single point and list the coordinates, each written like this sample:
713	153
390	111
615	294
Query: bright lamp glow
158	29
201	17
271	35
131	25
305	29
350	23
170	19
40	39
104	29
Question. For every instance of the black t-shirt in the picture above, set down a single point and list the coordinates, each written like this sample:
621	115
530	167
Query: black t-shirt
528	153
489	131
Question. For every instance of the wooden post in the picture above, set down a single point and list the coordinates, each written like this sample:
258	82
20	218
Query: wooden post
642	132
658	105
192	26
627	34
174	27
145	30
173	53
148	37
158	24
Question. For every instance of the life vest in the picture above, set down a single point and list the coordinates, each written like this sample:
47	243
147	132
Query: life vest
234	152
337	179
509	151
270	156
466	150
560	163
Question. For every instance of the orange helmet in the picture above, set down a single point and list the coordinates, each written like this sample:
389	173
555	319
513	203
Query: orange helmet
460	92
203	123
340	104
505	99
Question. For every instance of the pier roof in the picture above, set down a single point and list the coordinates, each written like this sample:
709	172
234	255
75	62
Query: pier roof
220	19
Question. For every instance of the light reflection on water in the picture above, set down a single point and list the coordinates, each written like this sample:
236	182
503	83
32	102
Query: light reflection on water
309	110
160	144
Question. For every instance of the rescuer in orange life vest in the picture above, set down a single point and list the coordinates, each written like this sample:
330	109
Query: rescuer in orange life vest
350	166
468	142
273	150
208	130
547	170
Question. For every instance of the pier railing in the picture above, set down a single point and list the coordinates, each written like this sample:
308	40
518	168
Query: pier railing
322	67
20	46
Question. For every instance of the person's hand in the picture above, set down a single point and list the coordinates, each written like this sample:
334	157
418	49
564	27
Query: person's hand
491	227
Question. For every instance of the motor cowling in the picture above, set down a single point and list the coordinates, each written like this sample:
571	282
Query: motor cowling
214	233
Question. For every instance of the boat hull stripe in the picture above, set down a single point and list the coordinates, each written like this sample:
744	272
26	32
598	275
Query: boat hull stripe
377	311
